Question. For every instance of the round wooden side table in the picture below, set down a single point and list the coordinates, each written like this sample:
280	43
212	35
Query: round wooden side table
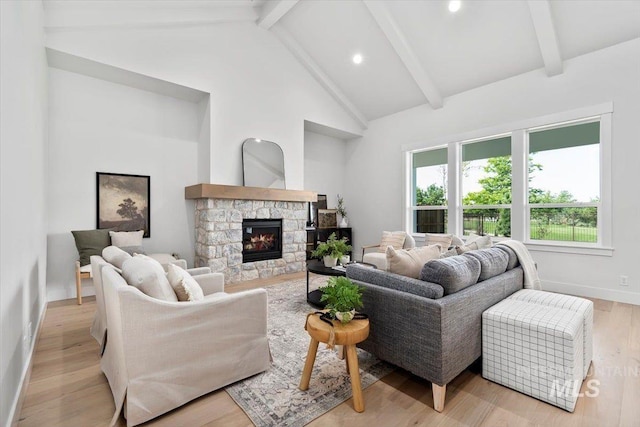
346	335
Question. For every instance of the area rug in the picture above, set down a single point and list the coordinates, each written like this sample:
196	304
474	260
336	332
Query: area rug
272	398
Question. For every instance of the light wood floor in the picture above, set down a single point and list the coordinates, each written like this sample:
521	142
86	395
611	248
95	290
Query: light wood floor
67	387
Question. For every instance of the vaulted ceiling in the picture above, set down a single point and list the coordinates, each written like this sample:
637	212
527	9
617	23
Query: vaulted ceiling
414	52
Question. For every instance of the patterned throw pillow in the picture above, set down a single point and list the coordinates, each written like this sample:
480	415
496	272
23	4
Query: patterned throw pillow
451	252
410	262
466	248
392	238
483	242
185	286
444	240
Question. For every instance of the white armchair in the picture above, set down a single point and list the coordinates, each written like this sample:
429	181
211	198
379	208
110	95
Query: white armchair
99	325
162	354
379	259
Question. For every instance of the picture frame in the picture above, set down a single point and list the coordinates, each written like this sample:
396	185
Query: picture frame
327	218
321	203
123	202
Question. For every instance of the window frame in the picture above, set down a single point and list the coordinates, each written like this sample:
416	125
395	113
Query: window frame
460	171
520	209
412	191
597	205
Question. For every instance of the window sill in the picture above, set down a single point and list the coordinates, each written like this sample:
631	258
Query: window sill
569	249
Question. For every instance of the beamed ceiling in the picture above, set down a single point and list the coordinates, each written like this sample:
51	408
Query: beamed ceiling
414	52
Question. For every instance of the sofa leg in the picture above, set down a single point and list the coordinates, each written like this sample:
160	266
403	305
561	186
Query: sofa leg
439	392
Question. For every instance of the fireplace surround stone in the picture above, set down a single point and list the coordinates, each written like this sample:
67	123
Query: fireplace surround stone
218	224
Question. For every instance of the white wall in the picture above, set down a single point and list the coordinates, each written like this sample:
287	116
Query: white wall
23	171
257	88
374	173
98	126
324	166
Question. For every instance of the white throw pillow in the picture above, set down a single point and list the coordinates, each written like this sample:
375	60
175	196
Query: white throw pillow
483	242
148	275
444	240
163	259
126	238
115	256
185	286
410	262
456	241
392	238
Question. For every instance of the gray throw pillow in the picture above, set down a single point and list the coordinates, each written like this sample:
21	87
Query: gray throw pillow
493	261
90	242
453	274
513	258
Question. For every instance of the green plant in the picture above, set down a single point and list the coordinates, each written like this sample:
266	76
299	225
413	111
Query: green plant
332	247
341	209
341	295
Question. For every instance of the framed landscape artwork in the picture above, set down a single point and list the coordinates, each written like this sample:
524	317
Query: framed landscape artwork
123	202
327	218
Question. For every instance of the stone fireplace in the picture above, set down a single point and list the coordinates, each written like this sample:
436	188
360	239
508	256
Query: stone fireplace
224	213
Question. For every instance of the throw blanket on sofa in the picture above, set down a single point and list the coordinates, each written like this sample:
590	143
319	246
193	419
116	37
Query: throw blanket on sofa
531	279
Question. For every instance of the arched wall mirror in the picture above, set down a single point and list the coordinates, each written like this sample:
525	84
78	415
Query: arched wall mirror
262	164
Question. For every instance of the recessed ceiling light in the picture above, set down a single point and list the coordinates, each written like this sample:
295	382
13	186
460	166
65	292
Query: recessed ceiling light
454	5
357	58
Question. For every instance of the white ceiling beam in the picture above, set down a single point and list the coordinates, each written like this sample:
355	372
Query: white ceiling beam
273	10
400	44
547	38
317	72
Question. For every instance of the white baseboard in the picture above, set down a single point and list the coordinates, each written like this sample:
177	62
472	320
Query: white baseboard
16	406
69	293
591	292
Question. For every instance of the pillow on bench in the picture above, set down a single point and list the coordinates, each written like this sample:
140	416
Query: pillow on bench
90	242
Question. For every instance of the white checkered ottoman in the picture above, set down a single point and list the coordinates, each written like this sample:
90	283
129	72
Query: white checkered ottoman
580	305
534	349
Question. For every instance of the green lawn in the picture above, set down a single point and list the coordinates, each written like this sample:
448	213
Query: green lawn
553	232
564	233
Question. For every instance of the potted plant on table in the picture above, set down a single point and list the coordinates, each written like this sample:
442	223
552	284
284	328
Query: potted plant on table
331	250
342	297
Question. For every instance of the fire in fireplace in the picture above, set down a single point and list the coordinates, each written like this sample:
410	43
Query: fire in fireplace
261	239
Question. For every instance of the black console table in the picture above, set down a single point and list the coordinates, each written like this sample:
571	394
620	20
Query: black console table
315	235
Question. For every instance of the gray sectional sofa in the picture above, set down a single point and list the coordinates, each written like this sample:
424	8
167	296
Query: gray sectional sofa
432	326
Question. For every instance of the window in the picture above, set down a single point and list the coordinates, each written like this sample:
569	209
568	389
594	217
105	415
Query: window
429	191
564	183
486	187
544	181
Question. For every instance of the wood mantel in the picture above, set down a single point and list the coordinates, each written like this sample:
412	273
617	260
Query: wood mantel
216	191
